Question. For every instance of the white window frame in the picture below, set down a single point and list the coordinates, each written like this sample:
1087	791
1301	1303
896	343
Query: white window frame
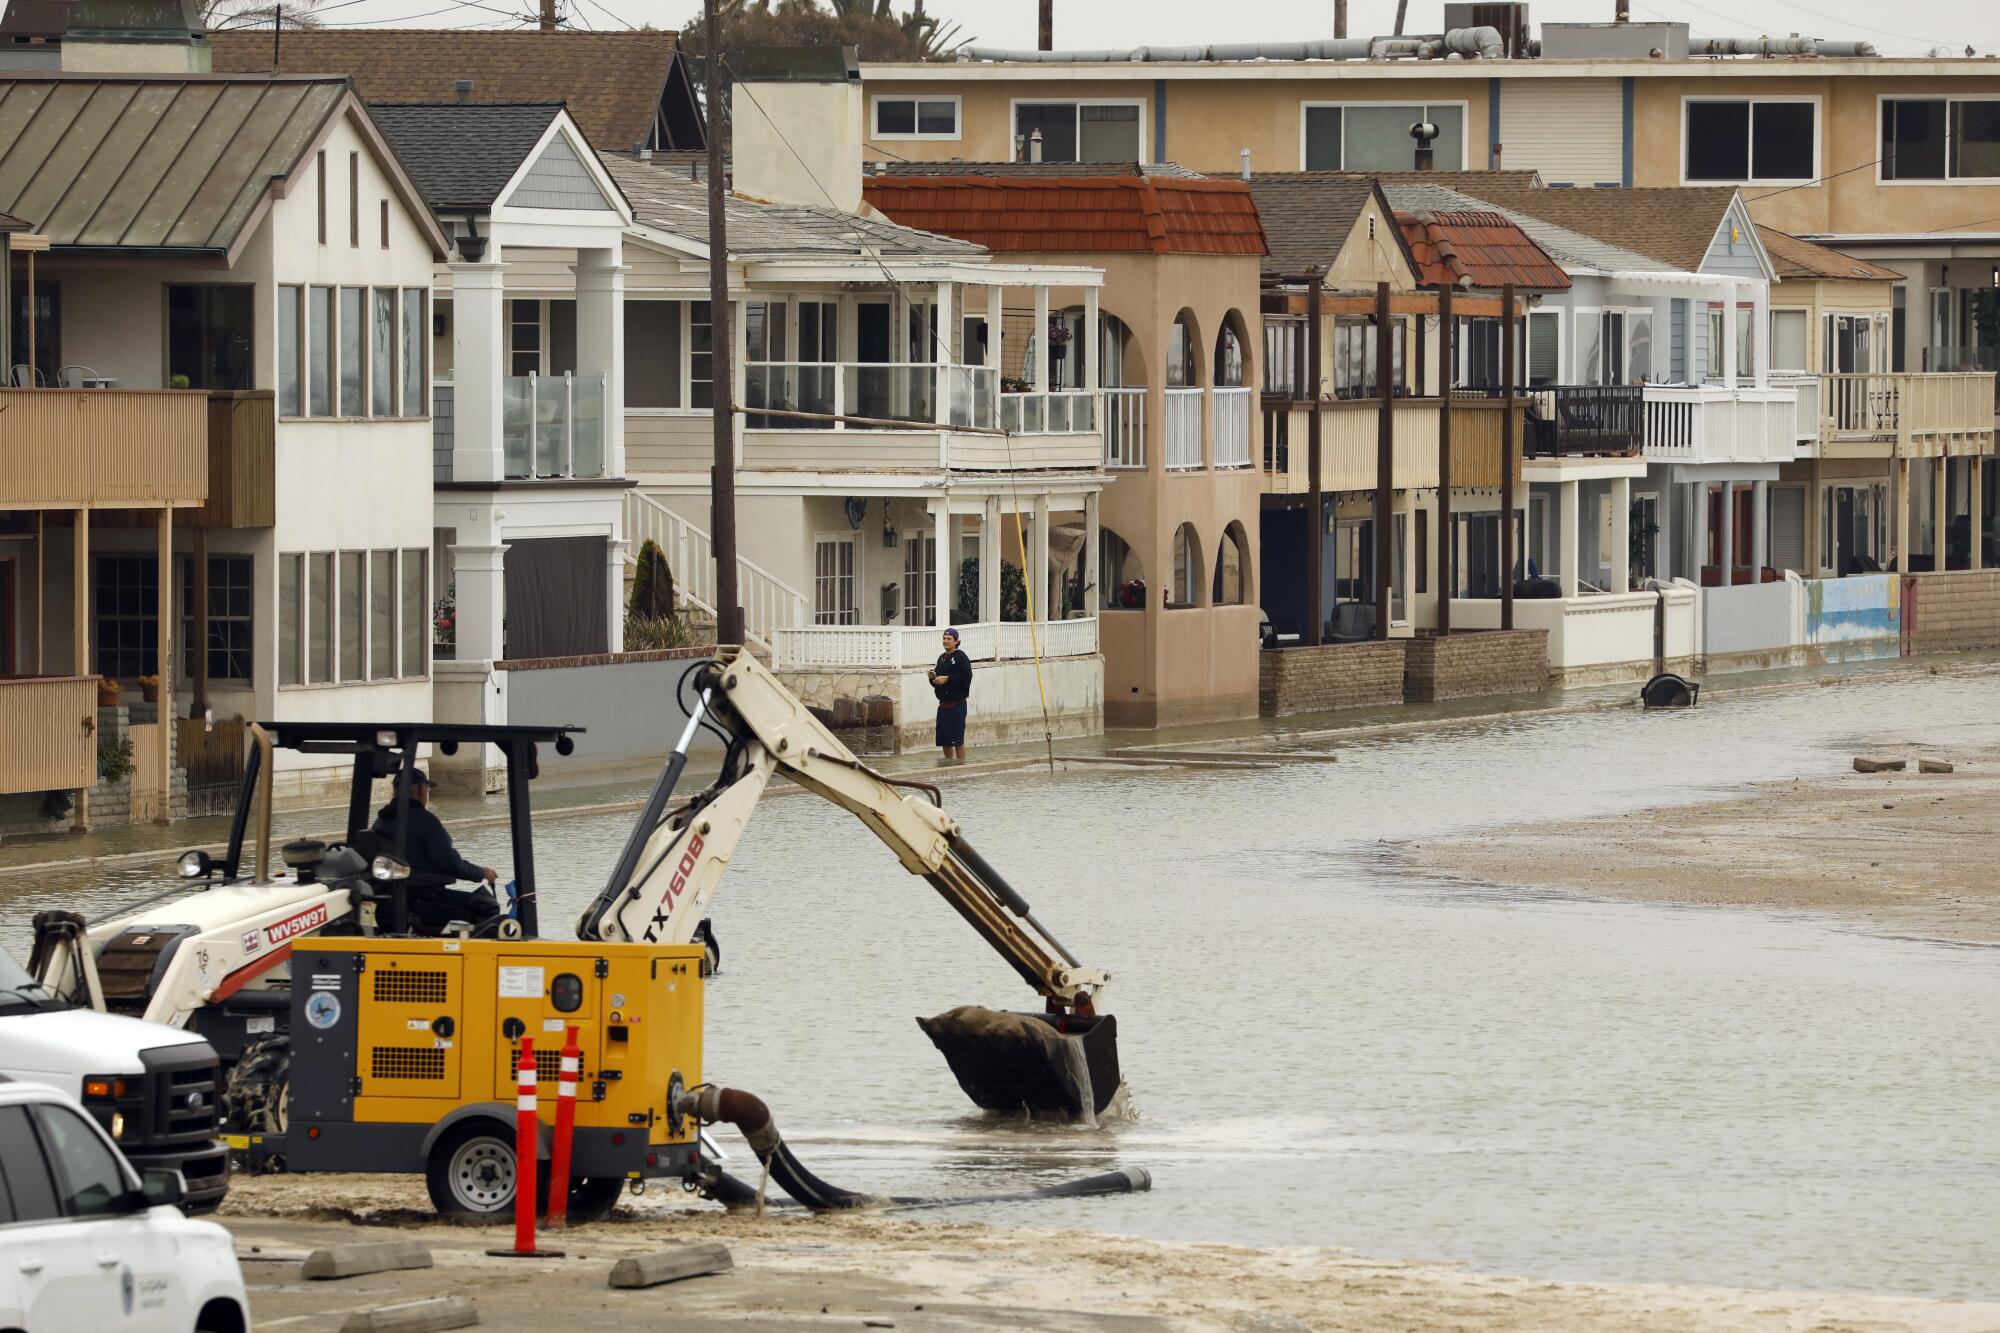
685	300
875	130
1881	149
1812	336
853	541
1145	130
1465	138
1814	181
1555	314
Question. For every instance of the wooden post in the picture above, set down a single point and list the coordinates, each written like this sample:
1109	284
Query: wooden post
200	645
163	666
1315	497
1447	570
1507	456
722	489
1385	456
79	575
42	588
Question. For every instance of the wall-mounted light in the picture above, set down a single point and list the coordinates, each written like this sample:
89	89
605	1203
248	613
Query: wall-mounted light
891	602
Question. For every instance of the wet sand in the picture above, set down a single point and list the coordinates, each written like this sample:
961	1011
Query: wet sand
885	1271
1905	853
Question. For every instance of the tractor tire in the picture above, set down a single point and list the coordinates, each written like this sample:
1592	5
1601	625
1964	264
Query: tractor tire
257	1096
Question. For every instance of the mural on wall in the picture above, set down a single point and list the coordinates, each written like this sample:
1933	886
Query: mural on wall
1861	609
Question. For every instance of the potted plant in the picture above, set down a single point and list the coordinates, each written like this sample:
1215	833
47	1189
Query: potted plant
149	689
107	692
1058	338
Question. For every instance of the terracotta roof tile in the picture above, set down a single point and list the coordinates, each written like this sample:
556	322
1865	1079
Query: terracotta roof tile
611	82
1796	259
1083	215
1453	246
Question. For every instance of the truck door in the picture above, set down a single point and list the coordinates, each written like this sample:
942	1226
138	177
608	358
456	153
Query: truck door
409	1047
545	995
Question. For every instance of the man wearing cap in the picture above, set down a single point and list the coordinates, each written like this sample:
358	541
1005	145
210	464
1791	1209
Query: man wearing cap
951	681
434	862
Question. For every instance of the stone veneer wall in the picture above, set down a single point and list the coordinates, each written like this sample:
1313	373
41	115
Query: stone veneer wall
1953	612
1470	663
1330	676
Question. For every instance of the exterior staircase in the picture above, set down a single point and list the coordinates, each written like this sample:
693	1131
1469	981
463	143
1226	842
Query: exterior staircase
769	603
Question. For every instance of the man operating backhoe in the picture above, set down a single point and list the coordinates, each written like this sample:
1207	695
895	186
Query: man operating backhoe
435	863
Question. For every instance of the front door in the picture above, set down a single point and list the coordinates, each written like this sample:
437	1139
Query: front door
833	581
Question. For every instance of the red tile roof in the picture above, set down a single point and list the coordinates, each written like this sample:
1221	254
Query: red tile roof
1484	248
1082	215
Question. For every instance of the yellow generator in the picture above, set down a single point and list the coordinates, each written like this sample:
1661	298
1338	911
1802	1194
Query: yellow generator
405	1052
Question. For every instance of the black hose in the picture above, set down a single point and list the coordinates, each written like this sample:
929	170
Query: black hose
738	1193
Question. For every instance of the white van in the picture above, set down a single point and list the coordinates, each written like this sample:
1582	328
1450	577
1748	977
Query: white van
90	1243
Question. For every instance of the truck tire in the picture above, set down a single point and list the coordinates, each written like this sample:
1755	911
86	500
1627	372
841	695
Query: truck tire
591	1198
256	1100
471	1174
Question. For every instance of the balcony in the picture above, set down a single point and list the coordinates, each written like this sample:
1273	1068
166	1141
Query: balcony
1711	423
47	733
913	647
552	426
1183	429
1231	427
242	461
1590	420
1059	412
66	448
1125	428
1349	443
1880	416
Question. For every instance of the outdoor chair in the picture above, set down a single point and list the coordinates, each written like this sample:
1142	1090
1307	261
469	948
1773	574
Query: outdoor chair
26	377
74	376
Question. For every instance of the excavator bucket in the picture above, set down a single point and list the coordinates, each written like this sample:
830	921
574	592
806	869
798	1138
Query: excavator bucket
1059	1065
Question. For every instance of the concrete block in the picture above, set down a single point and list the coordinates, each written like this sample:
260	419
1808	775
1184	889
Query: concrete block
1933	766
695	1259
414	1316
1866	764
356	1260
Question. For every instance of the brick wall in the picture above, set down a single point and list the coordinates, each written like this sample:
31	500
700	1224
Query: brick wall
1333	675
1955	612
1466	664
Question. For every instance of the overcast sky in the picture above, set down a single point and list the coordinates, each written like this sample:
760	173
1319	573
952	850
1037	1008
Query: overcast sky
1899	27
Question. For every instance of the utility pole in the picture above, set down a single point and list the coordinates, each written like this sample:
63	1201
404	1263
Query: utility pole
548	15
1385	458
1046	34
277	30
1447	568
1315	492
1340	18
1507	371
722	477
1402	12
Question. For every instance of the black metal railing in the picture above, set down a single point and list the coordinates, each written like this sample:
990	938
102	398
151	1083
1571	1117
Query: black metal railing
1585	419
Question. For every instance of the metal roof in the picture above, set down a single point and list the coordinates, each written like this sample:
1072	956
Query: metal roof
177	163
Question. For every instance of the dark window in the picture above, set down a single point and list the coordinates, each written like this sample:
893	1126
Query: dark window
653	354
1975	140
319	178
210	331
125	606
47	355
897	117
1781	142
229	616
31	1192
354	200
1718	141
1057	123
701	356
524	322
89	1177
1322	138
937	118
1913	140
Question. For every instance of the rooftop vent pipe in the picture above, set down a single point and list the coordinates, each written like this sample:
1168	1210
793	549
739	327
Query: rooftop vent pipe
1485	43
1783	46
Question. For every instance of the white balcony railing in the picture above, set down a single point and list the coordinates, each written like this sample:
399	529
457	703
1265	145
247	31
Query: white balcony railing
1125	428
1062	412
1232	427
553	426
1183	428
769	603
1708	423
806	395
907	647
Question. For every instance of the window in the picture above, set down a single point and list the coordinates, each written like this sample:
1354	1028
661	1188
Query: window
319	618
90	1178
209	334
125	605
289	329
833	581
353	352
291	573
1078	131
382	354
1375	136
916	118
819	333
1181	371
1354	357
764	330
353	604
1284	348
1423	550
653	353
30	1195
1228	358
1232	563
46	355
381	615
1186	589
701	356
1751	139
416	396
1544	348
319	353
1940	139
416	612
229	617
354	201
319	178
920	580
524	341
385	224
1788	340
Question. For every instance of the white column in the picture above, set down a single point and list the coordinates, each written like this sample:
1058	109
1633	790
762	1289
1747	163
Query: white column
1698	524
1568	556
941	580
1621	534
1728	533
1899	496
1038	556
600	342
1093	596
1760	536
480	574
996	324
478	337
947	383
1975	482
1938	515
1729	335
614	573
1760	334
1093	352
989	561
1041	375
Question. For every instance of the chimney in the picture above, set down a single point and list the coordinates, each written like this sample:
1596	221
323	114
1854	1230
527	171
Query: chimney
1424	132
1244	153
464	89
790	106
1035	146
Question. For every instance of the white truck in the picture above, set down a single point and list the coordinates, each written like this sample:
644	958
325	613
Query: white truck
155	1090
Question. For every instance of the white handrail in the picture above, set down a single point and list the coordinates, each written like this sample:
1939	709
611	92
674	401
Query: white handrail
1232	426
769	603
1183	428
1125	427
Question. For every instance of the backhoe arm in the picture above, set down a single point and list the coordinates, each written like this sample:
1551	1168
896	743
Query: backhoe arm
675	859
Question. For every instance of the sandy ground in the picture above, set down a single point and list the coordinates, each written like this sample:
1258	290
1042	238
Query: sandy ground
880	1271
1903	853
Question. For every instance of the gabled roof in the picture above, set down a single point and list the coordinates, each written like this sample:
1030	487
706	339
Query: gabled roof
1049	170
460	155
613	82
1308	216
1798	260
1673	224
1077	215
168	163
8	222
664	199
1477	248
1573	250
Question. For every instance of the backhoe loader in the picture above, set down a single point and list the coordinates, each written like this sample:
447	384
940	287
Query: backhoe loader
218	959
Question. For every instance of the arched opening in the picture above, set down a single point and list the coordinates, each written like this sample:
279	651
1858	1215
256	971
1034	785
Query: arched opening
1184	352
1120	364
1186	587
1232	356
1232	568
1121	581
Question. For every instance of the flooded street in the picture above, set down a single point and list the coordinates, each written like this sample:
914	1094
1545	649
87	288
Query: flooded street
1326	1049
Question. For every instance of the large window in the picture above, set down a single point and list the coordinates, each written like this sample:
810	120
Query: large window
209	335
319	352
375	625
653	353
1544	348
415	398
916	117
1732	140
1354	357
382	354
229	617
1940	139
1078	131
290	345
353	351
1788	340
353	600
1284	354
126	607
1375	136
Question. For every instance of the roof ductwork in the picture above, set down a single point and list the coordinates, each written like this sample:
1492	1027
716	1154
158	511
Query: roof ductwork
1485	43
1782	46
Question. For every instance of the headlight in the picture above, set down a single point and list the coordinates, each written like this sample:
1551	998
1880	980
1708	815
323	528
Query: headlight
388	867
195	865
118	1125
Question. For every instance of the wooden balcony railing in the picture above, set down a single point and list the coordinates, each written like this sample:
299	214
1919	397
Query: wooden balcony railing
63	448
1348	443
242	461
48	736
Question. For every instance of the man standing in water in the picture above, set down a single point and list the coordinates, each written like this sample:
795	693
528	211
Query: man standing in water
951	681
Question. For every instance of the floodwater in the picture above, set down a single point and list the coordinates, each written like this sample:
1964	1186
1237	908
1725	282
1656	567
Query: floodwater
1324	1050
